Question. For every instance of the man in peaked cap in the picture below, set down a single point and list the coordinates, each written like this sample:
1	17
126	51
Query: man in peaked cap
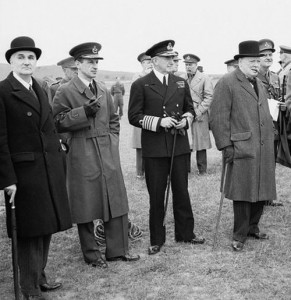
176	60
159	104
243	130
231	65
285	58
84	108
31	167
201	92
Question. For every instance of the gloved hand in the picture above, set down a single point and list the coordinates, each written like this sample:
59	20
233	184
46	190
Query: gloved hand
91	108
228	153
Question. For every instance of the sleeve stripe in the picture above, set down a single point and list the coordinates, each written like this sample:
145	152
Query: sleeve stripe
150	123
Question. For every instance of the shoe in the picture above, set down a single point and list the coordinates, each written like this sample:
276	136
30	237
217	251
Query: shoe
33	297
237	245
196	240
99	263
154	249
200	173
259	236
273	203
126	257
46	287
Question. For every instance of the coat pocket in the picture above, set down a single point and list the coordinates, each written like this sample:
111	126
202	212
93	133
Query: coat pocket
22	157
243	145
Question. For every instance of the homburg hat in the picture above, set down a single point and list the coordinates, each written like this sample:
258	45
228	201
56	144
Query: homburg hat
248	49
164	48
22	43
266	44
86	50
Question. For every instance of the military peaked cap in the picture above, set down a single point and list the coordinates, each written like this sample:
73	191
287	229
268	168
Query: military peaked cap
164	48
67	63
191	58
143	57
86	50
231	62
266	44
285	49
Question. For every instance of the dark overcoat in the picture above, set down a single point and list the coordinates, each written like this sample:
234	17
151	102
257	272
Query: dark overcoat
147	98
240	118
31	157
94	177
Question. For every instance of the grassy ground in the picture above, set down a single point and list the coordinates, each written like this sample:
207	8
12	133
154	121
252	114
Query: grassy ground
261	271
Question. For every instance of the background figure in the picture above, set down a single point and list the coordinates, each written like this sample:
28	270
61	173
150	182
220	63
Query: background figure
155	100
84	109
31	166
243	130
285	59
201	92
147	67
176	60
117	91
231	65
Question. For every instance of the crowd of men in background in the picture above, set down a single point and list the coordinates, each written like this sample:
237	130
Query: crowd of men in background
80	179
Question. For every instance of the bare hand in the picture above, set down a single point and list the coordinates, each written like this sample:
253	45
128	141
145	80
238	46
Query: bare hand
11	191
181	124
168	122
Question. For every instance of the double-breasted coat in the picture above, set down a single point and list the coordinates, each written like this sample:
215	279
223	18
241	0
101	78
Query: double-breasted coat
31	157
94	178
201	92
240	118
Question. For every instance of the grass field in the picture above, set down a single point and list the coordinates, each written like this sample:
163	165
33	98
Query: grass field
262	271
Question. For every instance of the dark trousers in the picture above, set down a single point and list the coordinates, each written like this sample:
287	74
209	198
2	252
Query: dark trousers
201	159
247	216
139	163
32	260
156	174
116	237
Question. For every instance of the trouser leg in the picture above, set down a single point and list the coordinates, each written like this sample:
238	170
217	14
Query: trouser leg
257	209
116	236
183	215
201	159
88	244
30	261
241	210
121	106
46	244
139	162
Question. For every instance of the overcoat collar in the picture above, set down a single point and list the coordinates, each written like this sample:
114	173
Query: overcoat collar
246	84
83	89
196	79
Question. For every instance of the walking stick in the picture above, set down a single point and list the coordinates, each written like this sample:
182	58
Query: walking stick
169	177
14	247
220	209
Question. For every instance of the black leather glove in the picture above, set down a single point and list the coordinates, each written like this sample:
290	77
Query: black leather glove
91	108
228	153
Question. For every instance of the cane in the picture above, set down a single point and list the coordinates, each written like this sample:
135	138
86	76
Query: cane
14	247
169	177
220	208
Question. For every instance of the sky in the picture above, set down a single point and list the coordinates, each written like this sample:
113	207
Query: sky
210	29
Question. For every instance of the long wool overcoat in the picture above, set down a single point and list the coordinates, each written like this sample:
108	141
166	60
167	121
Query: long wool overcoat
201	92
240	118
31	157
94	178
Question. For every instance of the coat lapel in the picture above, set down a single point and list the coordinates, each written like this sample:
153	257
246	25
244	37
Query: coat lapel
155	84
82	88
246	84
172	87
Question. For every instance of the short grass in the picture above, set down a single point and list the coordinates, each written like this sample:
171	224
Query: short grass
262	271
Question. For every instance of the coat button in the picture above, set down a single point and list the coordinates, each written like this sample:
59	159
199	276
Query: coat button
164	115
29	113
164	107
177	105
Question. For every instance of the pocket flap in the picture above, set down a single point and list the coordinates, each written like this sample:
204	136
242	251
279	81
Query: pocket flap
241	136
22	156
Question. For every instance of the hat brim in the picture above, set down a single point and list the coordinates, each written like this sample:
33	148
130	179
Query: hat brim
270	49
167	54
236	57
36	51
90	56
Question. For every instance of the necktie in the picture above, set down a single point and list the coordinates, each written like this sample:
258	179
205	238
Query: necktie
91	87
254	84
32	92
164	81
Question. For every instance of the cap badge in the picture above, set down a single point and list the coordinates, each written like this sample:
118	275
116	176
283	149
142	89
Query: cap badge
95	50
188	57
267	45
170	47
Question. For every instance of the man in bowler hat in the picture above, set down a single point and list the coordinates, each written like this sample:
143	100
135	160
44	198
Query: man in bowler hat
84	109
160	103
31	167
243	130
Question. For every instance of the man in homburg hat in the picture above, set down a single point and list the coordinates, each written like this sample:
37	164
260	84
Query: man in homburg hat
231	65
243	130
31	167
83	108
201	92
160	103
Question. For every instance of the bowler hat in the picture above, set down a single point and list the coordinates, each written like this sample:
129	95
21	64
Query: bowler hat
86	50
143	57
266	44
67	63
22	43
164	48
248	49
191	58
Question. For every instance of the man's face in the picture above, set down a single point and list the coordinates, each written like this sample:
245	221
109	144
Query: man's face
249	66
147	65
284	57
267	59
23	63
88	68
191	68
175	66
70	72
163	64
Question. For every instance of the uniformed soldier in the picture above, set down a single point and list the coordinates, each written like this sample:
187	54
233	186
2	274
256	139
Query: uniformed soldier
117	92
231	65
176	60
285	58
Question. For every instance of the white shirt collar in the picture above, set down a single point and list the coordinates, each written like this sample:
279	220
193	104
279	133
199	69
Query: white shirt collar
86	82
161	76
23	82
